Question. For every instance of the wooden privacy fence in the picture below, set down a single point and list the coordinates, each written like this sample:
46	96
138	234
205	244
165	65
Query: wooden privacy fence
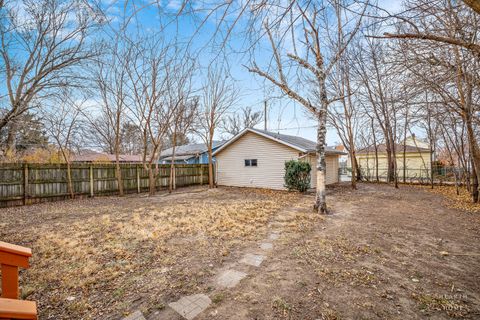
32	183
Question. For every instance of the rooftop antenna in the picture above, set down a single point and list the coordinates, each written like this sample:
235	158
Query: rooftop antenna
265	113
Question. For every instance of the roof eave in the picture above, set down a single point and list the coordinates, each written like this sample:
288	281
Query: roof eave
244	131
330	152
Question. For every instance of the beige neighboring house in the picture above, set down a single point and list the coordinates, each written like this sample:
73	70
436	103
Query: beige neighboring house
417	159
256	158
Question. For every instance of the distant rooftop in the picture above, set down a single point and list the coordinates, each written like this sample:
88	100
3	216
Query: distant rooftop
398	147
94	156
191	150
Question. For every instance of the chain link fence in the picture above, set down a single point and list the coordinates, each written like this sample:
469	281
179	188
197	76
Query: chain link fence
441	175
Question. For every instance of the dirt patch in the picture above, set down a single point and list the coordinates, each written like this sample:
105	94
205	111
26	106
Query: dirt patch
103	258
384	254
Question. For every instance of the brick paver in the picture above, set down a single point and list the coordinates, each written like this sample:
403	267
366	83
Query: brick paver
137	315
252	259
273	236
266	246
230	278
190	306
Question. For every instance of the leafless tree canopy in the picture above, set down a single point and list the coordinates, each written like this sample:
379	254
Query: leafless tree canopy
373	76
241	119
42	45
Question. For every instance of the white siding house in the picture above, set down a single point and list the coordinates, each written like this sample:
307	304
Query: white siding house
256	158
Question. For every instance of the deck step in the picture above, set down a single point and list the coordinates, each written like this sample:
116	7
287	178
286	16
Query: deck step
17	309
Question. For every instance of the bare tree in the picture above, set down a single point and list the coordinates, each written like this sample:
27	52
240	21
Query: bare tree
41	45
314	20
380	91
218	96
61	121
110	82
183	119
474	4
438	45
245	118
160	80
345	116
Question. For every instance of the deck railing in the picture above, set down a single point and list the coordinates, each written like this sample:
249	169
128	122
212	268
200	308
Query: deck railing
13	257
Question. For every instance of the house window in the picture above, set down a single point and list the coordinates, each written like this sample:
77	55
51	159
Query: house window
250	162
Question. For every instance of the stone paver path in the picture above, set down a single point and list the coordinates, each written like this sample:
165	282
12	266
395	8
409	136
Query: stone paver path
266	246
137	315
252	259
273	236
190	306
230	278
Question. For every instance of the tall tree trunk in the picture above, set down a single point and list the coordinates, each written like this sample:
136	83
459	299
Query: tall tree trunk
357	169
210	168
394	164
117	157
389	161
354	168
118	171
474	154
11	139
69	172
171	184
405	147
475	179
320	200
405	158
69	180
431	165
151	179
376	149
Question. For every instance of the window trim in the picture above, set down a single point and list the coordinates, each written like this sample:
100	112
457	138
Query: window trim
250	162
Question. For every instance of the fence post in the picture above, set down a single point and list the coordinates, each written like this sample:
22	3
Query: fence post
138	178
201	174
91	181
25	183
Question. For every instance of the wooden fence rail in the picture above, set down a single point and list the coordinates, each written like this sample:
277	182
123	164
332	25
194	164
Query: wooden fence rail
22	184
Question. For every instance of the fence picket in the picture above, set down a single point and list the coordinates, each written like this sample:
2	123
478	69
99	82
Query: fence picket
32	183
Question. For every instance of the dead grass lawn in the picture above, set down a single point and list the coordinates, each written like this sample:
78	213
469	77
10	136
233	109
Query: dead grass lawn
102	258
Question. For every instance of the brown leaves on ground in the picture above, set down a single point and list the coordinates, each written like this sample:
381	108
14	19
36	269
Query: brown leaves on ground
462	201
338	251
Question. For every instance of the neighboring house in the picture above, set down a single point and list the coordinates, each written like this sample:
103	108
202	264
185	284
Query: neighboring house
93	156
196	153
416	142
256	158
417	159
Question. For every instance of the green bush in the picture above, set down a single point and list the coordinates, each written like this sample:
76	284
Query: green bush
297	175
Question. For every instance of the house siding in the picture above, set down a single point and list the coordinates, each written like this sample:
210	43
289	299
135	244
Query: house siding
332	169
271	157
417	164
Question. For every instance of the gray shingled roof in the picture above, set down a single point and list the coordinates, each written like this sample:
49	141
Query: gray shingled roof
189	149
298	142
398	147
